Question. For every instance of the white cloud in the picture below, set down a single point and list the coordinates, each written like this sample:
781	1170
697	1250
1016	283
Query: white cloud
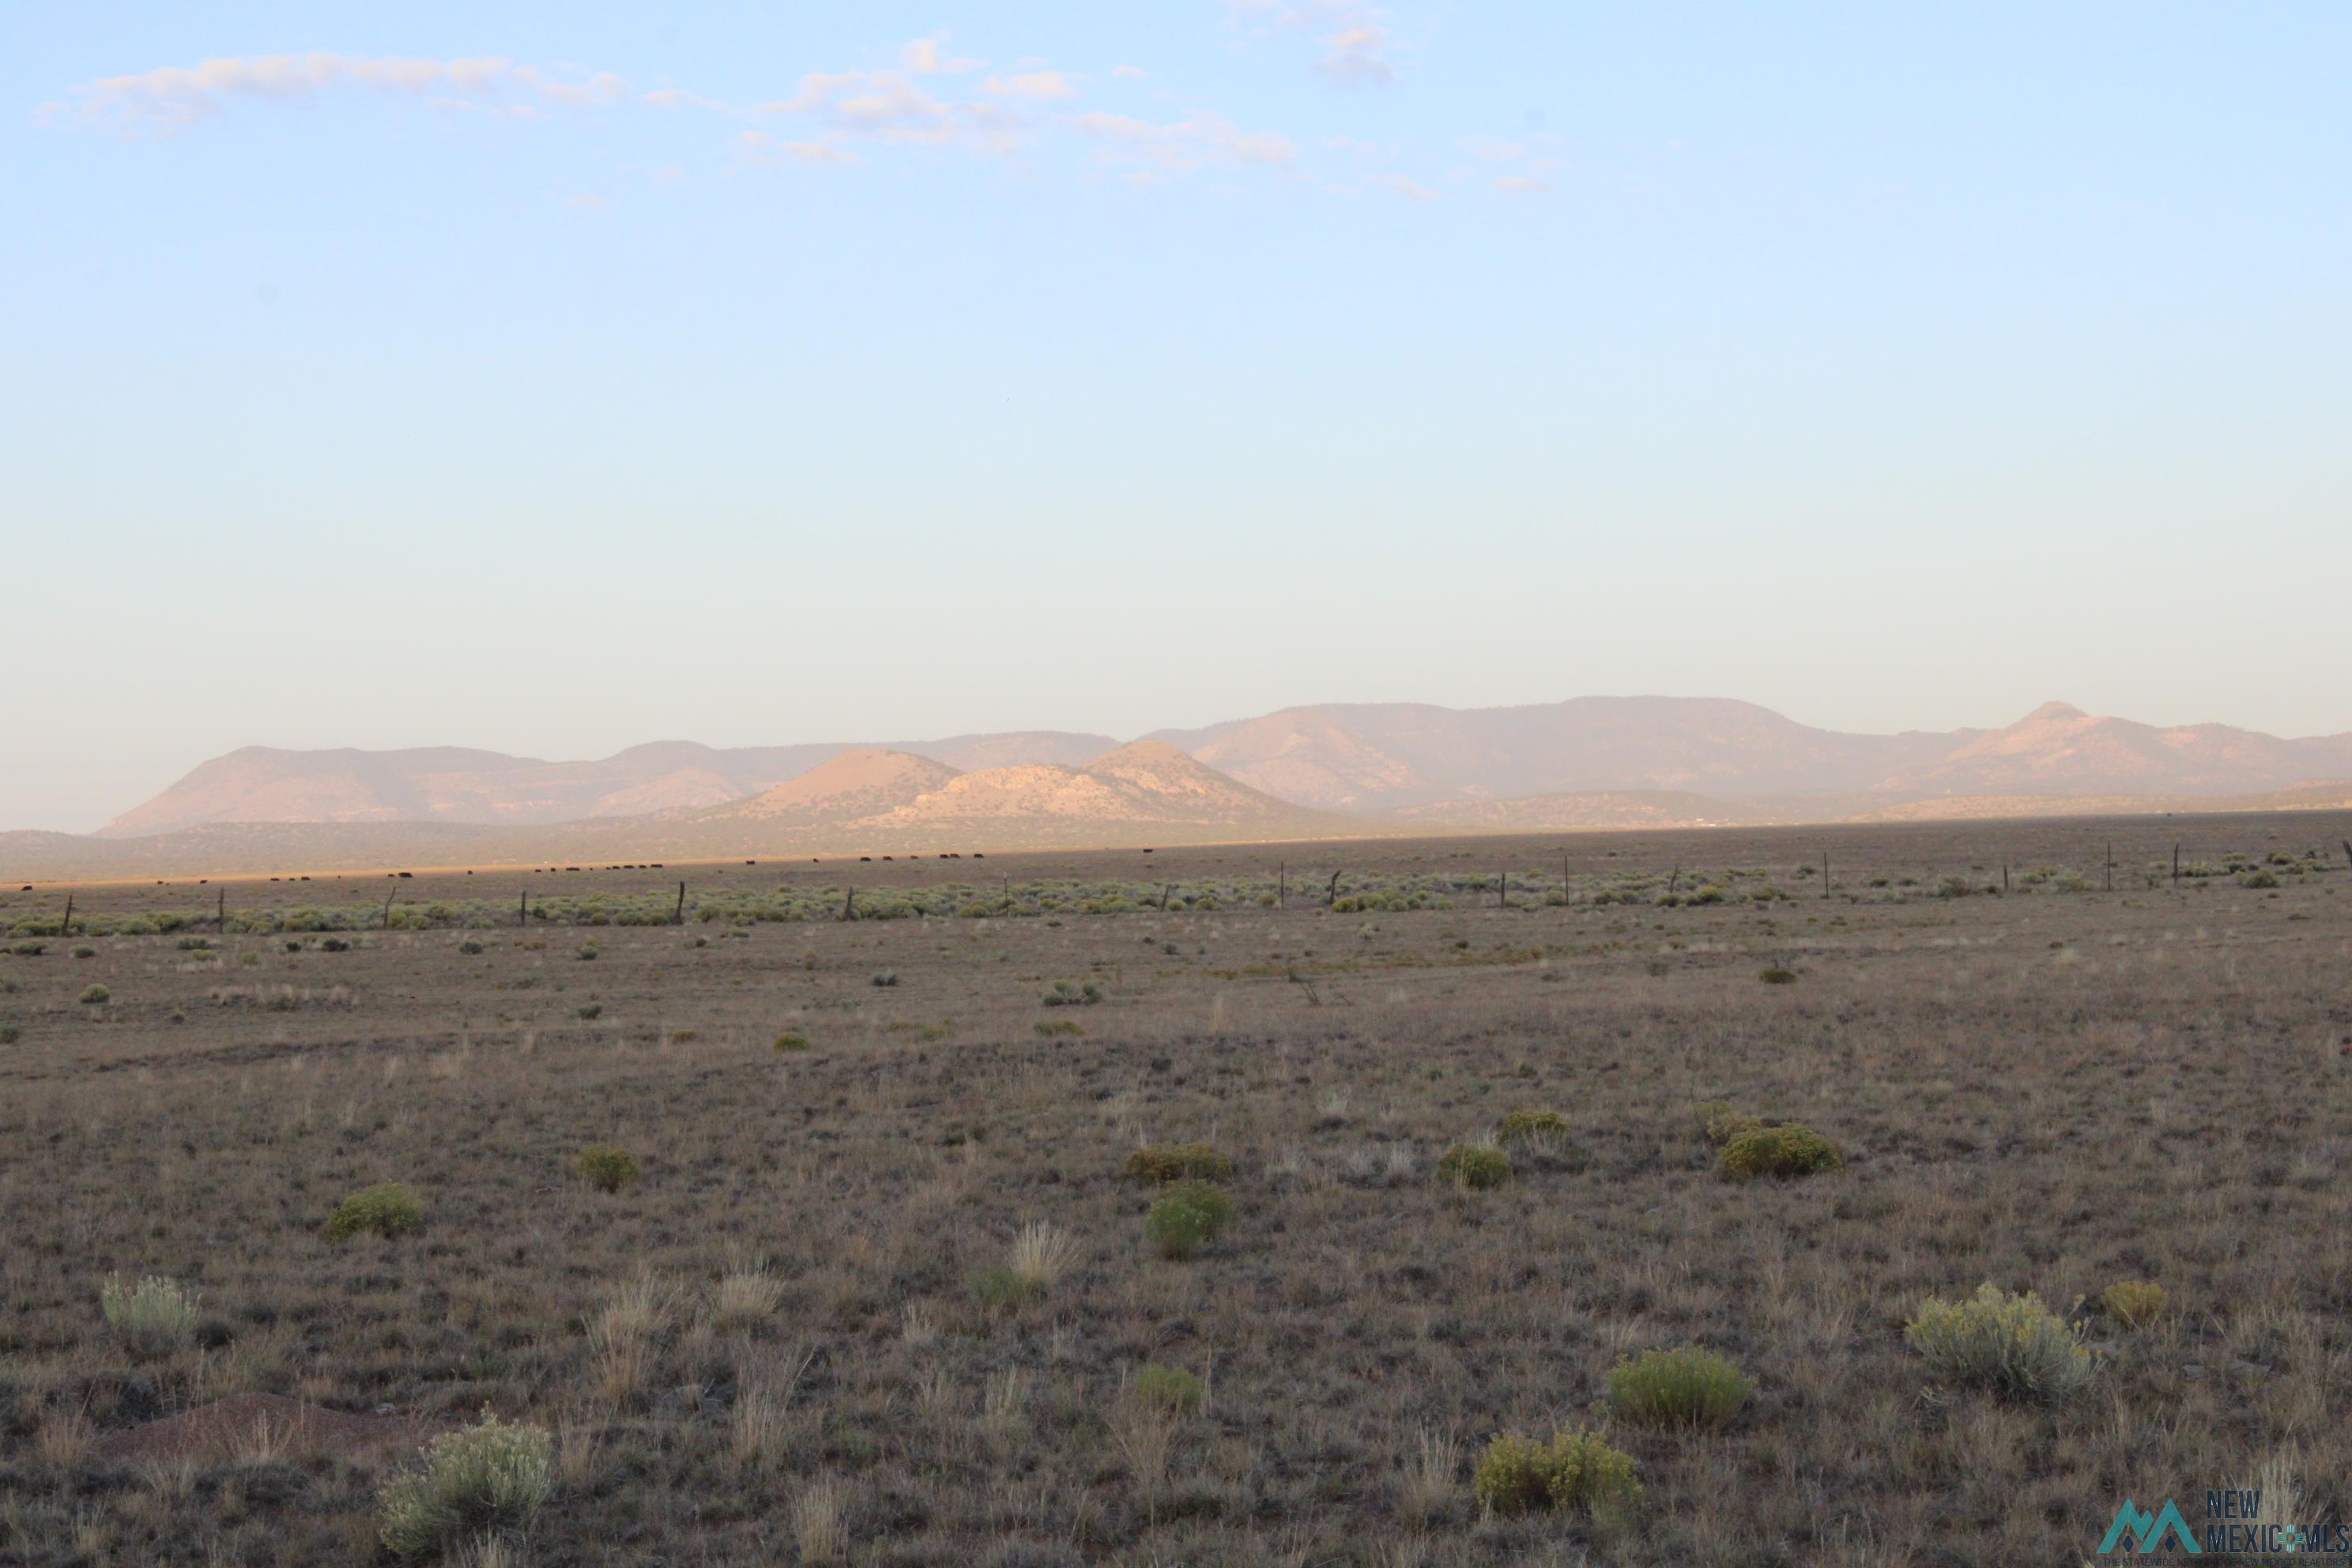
1129	73
758	147
1522	185
1356	55
1411	190
1032	84
891	106
174	97
1355	46
1192	143
923	58
587	203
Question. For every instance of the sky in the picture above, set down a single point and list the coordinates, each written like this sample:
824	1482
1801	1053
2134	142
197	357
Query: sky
554	378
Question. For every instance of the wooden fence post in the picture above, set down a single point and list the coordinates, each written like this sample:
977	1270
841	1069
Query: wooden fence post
680	918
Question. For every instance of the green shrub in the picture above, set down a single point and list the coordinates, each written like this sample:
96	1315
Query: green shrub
1065	995
886	977
193	943
1678	1388
10	1034
589	1011
1165	1163
1576	1470
486	1479
153	1316
85	951
2133	1302
1787	1149
2011	1345
1058	1029
469	947
606	1168
1170	1388
94	995
2258	879
334	945
587	953
1473	1165
792	1043
1777	975
1519	1124
385	1209
1002	1286
1186	1217
27	950
1720	1122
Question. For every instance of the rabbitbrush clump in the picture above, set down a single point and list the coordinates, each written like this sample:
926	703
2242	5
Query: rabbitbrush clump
2011	1345
487	1479
385	1209
153	1316
1690	1387
1575	1471
1164	1162
1784	1150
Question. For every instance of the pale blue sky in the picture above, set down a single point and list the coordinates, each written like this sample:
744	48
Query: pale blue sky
550	378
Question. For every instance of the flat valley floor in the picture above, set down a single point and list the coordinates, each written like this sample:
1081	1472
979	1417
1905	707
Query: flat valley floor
792	1339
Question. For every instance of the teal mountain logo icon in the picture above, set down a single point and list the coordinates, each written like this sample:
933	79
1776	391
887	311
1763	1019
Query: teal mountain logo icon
2146	1530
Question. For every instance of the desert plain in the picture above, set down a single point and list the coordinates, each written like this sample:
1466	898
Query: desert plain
878	1288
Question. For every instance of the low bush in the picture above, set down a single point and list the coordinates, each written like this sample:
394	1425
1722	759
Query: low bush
1067	994
606	1168
471	947
2258	879
886	977
587	953
1474	1166
1787	1149
1777	975
588	1013
154	1316
791	1042
1576	1471
1001	1287
2133	1302
488	1480
1690	1387
1719	1121
1185	1218
2011	1345
334	945
85	951
94	995
385	1209
1058	1029
1519	1124
1164	1162
1170	1388
10	1034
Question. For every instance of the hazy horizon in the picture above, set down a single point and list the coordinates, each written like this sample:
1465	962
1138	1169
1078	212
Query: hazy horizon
550	380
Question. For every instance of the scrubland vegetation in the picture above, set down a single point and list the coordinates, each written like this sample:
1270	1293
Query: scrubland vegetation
1458	1234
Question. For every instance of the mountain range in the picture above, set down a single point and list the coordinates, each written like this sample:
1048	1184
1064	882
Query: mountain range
1326	771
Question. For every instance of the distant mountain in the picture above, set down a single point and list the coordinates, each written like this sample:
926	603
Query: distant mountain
1382	757
2058	750
1335	769
449	783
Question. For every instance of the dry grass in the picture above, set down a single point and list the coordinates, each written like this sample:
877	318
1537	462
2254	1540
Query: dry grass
2052	1092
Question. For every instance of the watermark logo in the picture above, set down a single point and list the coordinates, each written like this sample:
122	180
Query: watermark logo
2148	1531
2234	1526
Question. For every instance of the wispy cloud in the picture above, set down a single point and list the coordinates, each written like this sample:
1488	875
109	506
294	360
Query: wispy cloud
1356	55
758	147
1355	49
175	97
1526	163
927	97
1032	84
1195	141
893	105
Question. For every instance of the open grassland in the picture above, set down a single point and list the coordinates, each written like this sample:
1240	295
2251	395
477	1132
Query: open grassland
811	1240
